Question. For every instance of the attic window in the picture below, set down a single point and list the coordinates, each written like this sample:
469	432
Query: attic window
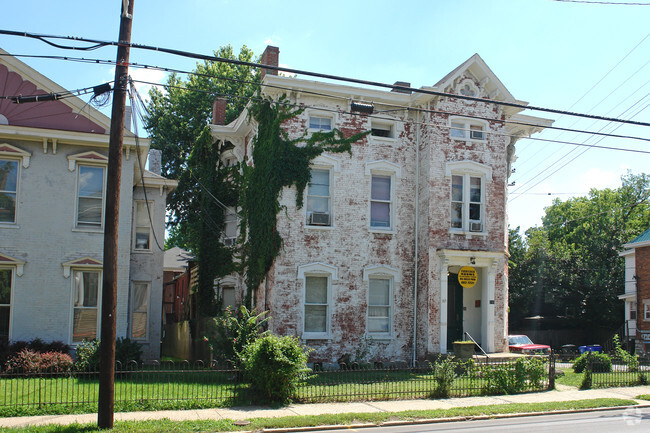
467	90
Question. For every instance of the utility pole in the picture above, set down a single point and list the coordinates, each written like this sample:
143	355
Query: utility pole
105	411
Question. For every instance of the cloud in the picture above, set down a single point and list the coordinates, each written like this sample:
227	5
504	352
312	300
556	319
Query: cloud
597	178
148	76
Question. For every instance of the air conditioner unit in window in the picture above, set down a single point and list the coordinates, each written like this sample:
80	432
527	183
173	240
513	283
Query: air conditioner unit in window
475	226
229	242
319	219
476	135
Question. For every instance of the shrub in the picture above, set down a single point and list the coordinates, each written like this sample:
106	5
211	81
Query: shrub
232	332
10	350
511	378
600	362
444	373
87	355
31	362
274	365
632	361
127	350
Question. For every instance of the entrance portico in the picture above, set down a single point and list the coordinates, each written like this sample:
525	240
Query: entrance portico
473	307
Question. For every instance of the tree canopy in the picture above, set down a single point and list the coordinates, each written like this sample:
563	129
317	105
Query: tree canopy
570	267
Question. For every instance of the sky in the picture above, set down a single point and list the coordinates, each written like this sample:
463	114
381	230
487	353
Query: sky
575	56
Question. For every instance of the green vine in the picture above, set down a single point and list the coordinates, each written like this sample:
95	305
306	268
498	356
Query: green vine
278	162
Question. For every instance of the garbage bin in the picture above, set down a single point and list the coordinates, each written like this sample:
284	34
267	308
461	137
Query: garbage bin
591	348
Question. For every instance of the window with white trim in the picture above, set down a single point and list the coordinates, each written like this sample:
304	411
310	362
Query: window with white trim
646	310
6	286
317	280
632	310
143	219
319	203
86	286
467	203
380	281
139	310
467	129
229	227
382	129
8	190
320	123
90	196
380	201
379	305
316	304
228	298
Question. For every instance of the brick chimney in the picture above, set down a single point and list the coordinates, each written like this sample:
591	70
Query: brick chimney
271	57
219	111
402	84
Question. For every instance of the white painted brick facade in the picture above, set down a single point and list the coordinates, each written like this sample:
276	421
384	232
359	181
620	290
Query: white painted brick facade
349	248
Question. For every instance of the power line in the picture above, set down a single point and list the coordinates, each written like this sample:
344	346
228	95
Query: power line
423	123
182	53
404	107
604	2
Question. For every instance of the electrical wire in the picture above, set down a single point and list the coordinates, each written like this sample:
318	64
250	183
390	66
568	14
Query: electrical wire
188	54
402	107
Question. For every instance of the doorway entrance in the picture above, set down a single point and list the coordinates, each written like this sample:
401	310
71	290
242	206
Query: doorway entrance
454	310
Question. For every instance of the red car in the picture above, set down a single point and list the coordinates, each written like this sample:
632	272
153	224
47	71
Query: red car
522	344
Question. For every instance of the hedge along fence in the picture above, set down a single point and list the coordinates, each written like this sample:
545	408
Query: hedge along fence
183	385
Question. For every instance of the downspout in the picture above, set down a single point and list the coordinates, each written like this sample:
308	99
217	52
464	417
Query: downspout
417	204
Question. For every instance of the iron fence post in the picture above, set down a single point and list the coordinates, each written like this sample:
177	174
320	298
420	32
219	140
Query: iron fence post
551	370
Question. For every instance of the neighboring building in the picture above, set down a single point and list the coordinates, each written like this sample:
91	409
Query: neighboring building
385	231
53	160
637	291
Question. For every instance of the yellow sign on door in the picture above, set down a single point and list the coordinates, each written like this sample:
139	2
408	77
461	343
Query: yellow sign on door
467	276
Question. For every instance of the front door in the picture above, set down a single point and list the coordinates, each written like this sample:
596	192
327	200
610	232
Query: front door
454	310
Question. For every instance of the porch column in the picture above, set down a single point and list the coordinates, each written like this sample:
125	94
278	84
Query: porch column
444	289
488	321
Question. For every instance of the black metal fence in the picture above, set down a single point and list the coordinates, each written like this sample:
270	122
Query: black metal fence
623	372
183	385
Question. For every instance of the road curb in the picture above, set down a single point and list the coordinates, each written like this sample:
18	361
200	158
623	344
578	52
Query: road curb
441	420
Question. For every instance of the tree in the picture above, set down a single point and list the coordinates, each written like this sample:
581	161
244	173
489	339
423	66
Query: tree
179	115
178	123
571	264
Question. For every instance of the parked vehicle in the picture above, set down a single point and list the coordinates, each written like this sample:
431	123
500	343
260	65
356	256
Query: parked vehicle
523	344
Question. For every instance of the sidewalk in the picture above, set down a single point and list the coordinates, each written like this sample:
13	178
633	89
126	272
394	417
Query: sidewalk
244	413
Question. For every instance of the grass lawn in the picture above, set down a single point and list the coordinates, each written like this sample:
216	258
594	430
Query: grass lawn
570	378
256	424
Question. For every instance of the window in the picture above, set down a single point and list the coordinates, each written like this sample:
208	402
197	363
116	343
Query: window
464	129
382	129
229	227
139	310
6	283
380	281
8	190
317	280
143	219
379	305
632	310
380	202
86	305
466	203
316	305
318	198
646	310
90	196
320	123
227	298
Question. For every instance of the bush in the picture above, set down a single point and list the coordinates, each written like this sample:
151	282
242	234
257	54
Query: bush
31	362
232	332
10	350
127	350
87	355
600	362
512	378
444	373
632	361
274	365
